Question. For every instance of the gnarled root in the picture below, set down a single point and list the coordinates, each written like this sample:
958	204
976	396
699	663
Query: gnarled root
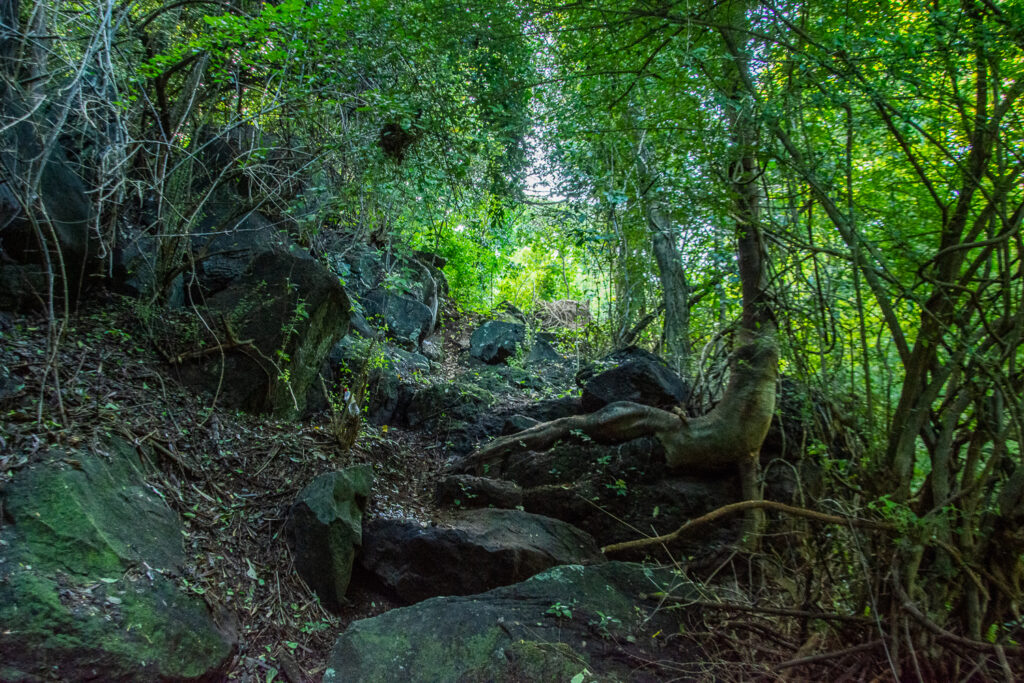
730	434
616	422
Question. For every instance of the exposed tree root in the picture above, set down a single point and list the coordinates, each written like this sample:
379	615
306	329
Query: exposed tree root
730	434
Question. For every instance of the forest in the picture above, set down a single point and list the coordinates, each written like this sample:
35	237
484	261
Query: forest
683	335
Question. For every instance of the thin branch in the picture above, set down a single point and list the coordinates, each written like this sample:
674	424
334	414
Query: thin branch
743	506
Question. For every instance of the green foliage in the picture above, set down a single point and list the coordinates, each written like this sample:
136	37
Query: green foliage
559	610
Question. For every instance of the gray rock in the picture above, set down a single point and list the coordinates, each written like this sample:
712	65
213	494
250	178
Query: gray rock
324	528
431	348
631	374
84	593
543	352
407	321
496	341
467	491
475	551
553	627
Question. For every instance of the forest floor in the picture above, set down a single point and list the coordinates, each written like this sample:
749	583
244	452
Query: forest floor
229	475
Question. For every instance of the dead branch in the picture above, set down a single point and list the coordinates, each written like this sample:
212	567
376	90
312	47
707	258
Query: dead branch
774	611
825	656
743	506
943	634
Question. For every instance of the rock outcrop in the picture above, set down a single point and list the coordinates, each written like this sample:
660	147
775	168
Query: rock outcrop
569	623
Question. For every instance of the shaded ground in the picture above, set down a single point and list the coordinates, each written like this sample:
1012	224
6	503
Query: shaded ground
230	476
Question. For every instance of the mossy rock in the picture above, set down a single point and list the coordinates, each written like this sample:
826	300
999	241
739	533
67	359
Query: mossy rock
84	587
444	404
268	317
606	628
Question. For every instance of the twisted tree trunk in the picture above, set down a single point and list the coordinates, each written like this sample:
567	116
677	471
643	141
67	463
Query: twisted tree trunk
730	434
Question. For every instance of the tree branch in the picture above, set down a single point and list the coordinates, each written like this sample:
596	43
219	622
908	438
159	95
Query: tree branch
743	506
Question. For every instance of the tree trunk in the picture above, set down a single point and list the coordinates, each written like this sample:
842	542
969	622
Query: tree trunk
675	290
731	434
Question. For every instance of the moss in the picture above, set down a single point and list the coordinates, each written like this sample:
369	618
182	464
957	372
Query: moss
383	654
165	630
64	614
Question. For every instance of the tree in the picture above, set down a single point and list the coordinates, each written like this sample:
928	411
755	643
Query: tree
732	432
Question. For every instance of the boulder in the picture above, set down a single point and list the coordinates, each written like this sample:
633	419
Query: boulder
583	483
432	348
261	163
553	409
393	379
399	291
543	352
407	320
631	374
324	529
466	491
447	403
86	552
266	315
475	550
135	270
496	341
60	200
569	623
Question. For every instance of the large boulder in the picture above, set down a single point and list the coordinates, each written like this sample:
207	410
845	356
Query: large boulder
569	623
474	551
407	320
400	292
588	484
459	402
496	341
266	315
59	203
543	350
324	529
631	374
86	552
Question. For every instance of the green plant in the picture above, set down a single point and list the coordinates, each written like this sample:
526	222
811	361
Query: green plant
619	487
559	610
604	624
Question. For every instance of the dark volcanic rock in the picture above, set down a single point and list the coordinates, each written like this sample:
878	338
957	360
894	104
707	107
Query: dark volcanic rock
496	341
479	550
395	376
275	313
631	374
589	485
463	490
407	320
61	201
553	627
324	528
